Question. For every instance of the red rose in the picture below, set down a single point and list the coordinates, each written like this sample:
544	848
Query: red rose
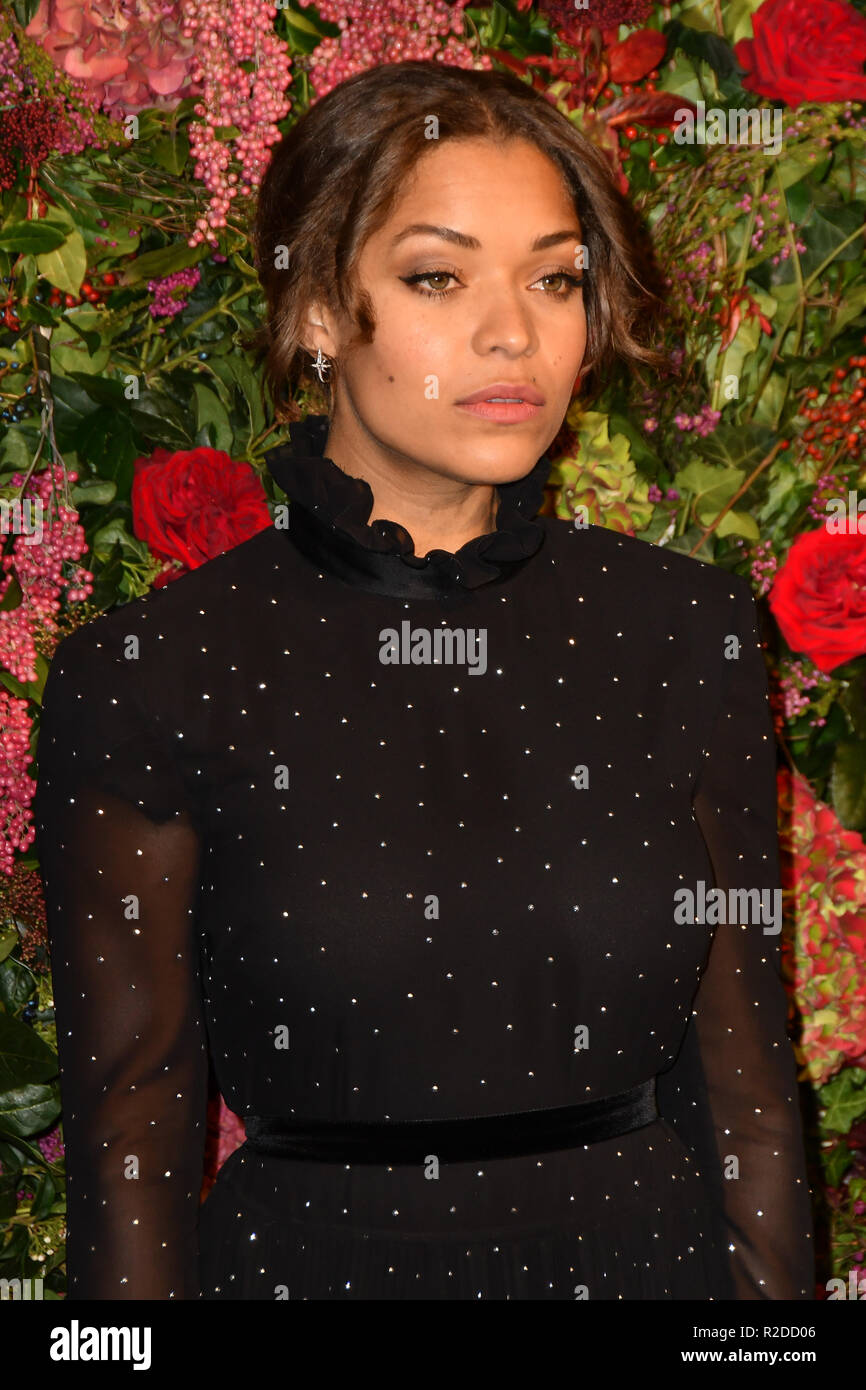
812	52
194	505
818	597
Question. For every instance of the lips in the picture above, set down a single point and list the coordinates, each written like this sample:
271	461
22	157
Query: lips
505	391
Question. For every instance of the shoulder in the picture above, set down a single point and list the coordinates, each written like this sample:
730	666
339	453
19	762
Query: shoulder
170	615
139	648
641	571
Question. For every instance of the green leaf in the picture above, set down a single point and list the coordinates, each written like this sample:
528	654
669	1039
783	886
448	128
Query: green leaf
68	355
93	492
211	412
24	1057
170	151
738	446
8	942
852	701
14	449
236	370
8	1198
792	167
115	532
853	307
43	1196
13	685
13	595
106	439
102	389
844	1097
848	784
16	986
641	450
825	228
702	46
156	417
708	484
303	33
34	238
67	266
153	265
769	409
737	523
498	26
20	1153
835	1163
28	1110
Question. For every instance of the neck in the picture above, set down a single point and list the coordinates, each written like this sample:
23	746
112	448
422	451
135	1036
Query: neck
439	512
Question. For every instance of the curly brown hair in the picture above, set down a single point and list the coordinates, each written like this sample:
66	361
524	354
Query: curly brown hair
334	178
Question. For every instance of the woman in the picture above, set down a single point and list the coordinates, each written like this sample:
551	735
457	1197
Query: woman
390	810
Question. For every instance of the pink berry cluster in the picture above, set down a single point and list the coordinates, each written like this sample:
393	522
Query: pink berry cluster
164	304
226	37
14	77
16	788
43	571
374	32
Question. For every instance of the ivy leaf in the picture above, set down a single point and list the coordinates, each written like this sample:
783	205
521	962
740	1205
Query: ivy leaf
844	1097
738	446
67	266
711	487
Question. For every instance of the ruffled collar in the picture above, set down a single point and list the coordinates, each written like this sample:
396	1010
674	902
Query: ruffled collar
328	523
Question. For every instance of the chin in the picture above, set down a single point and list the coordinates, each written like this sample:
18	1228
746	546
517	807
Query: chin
505	448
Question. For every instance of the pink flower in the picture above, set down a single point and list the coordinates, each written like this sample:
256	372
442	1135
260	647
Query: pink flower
129	56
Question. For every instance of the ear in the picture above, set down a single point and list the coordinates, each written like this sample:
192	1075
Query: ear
319	330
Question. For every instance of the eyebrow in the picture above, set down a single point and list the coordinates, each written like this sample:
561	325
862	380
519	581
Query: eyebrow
472	243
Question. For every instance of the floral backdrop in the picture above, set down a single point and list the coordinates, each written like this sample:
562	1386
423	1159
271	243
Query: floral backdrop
132	141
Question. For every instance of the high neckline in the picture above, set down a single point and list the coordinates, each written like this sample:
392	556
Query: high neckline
328	522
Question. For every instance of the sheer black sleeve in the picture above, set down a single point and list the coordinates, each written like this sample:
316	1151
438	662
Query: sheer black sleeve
119	853
737	1065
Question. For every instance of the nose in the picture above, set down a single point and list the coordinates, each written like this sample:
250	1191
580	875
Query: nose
504	323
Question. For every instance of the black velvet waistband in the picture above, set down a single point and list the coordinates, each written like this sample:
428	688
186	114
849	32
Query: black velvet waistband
455	1141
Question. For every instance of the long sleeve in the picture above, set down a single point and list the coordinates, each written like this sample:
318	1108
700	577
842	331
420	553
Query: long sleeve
119	853
736	1057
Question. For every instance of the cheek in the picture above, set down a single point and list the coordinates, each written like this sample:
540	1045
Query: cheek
397	377
407	349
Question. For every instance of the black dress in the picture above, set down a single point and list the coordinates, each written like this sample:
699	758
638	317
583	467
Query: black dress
373	888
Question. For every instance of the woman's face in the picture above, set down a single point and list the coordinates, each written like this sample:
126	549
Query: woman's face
491	301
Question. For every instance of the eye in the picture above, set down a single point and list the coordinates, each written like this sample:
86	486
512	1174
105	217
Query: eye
429	275
572	283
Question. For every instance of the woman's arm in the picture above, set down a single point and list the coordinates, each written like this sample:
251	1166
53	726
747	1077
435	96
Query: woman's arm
119	856
738	1054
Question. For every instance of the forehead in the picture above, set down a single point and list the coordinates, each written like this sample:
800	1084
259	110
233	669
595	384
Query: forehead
512	187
